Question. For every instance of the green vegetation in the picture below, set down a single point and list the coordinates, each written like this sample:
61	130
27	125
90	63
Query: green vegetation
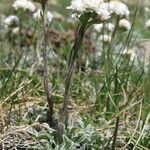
109	101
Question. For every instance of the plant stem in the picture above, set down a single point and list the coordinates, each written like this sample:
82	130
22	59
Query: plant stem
73	56
115	134
109	64
47	87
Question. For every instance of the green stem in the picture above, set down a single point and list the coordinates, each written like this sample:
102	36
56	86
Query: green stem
115	134
73	56
109	65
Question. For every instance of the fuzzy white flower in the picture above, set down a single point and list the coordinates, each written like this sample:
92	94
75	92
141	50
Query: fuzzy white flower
38	14
147	23
103	11
80	7
11	21
93	4
15	31
108	26
125	24
129	52
119	8
24	4
105	38
77	6
147	9
49	16
98	27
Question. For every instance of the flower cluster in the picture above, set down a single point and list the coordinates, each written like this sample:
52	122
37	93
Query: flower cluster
10	24
38	15
119	8
10	21
147	12
108	26
27	5
129	52
124	24
24	4
98	8
147	23
105	38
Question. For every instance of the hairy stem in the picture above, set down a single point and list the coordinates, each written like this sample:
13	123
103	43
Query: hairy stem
47	87
73	56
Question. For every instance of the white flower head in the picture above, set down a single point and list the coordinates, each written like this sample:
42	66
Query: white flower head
119	8
103	11
38	15
129	52
49	16
105	38
147	9
80	7
11	21
147	23
77	6
93	4
15	30
124	24
108	26
24	4
98	27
